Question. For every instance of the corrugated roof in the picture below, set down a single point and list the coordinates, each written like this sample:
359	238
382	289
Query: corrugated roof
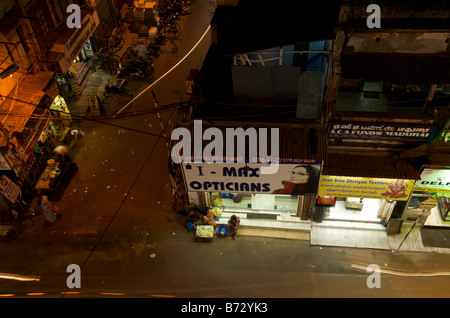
369	167
294	143
397	68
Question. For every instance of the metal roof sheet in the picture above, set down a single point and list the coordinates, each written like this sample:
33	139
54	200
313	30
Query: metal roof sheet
294	142
397	68
387	167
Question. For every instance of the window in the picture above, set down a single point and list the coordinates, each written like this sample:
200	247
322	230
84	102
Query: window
43	23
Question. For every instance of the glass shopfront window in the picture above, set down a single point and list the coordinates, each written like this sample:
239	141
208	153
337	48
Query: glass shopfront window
431	196
255	202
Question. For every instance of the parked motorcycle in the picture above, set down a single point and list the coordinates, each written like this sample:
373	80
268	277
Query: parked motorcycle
111	90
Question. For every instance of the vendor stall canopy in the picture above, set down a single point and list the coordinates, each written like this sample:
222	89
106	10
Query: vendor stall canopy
369	167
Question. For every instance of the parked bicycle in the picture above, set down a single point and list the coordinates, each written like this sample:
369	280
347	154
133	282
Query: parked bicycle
105	61
135	66
113	43
169	11
129	14
173	31
116	86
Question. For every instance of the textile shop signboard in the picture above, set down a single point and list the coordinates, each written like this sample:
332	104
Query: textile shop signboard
392	189
363	130
297	177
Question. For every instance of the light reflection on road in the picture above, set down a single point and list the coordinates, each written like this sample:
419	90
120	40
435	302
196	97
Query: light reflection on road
403	273
168	72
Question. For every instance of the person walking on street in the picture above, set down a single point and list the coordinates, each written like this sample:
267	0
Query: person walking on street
47	209
233	225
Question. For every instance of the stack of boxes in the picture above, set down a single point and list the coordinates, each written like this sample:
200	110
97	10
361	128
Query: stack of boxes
145	11
145	18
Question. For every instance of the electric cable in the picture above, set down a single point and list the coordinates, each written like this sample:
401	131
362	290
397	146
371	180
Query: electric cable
169	71
126	195
97	120
124	114
226	107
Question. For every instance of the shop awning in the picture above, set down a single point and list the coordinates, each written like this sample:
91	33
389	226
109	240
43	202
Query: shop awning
19	106
397	68
69	42
294	143
369	167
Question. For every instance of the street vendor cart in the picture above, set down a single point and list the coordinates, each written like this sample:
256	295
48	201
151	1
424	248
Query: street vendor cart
204	233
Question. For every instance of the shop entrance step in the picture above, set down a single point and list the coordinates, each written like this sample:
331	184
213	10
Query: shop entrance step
288	228
348	237
355	225
274	233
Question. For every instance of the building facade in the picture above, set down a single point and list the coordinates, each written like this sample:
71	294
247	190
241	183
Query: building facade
388	95
39	75
373	100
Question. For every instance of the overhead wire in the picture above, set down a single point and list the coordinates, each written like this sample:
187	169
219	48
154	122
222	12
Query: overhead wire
92	118
240	114
127	193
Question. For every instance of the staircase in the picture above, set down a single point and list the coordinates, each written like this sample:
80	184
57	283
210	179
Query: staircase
268	224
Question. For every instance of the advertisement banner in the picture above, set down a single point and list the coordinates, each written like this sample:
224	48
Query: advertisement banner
9	189
376	131
296	178
392	189
423	204
434	180
77	40
3	163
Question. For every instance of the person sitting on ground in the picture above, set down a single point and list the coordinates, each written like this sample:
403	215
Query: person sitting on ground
208	217
194	216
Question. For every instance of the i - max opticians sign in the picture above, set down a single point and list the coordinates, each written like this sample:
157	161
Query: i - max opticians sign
345	130
393	189
296	178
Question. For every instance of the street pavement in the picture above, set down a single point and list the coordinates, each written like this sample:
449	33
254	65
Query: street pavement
118	224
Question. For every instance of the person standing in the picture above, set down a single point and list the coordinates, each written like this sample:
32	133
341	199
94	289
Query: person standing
233	225
47	209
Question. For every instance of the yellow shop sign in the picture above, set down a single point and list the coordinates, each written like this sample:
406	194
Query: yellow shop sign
393	189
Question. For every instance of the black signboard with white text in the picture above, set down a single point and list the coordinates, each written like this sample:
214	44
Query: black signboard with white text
380	131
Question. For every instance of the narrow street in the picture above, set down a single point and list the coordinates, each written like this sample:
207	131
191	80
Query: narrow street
119	226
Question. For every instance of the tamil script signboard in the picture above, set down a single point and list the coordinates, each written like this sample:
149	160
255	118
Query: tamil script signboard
376	131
